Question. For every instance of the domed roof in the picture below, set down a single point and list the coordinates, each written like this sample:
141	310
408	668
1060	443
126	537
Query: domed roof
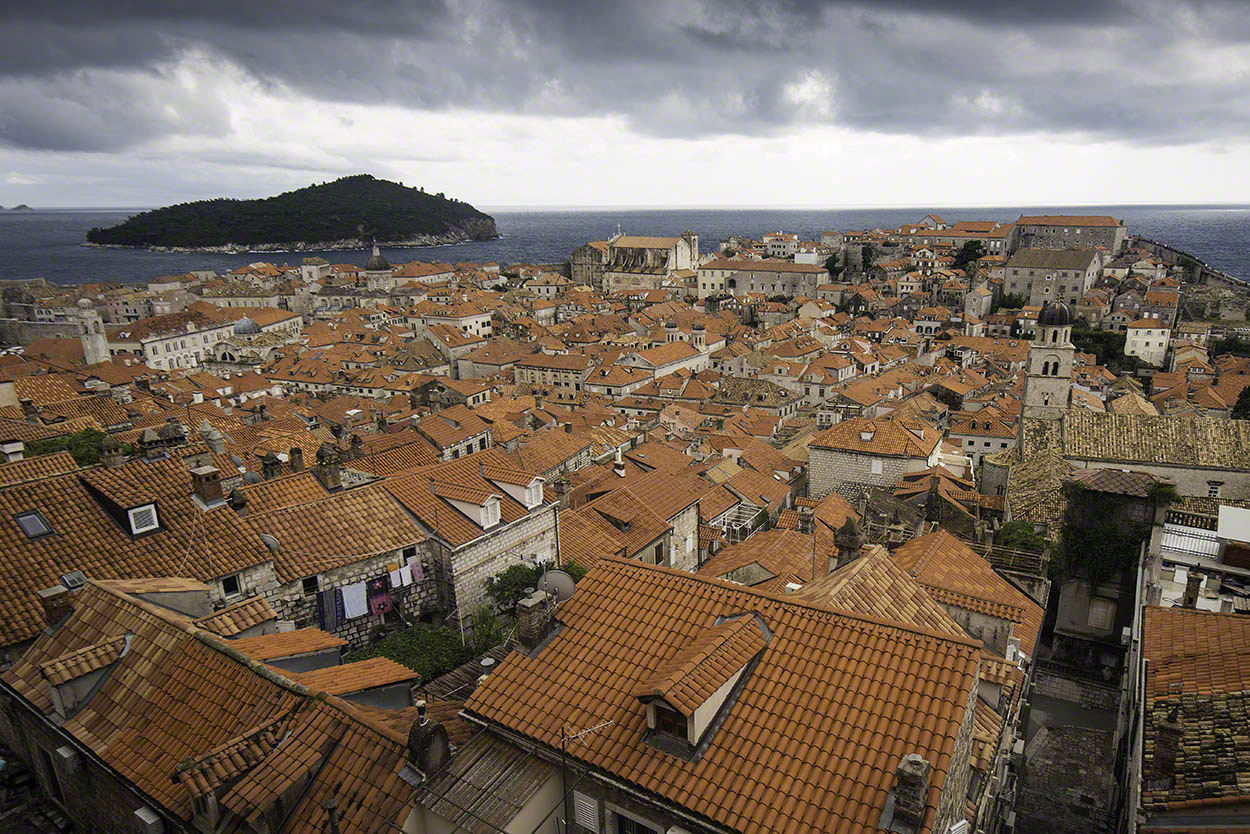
1055	314
246	327
376	262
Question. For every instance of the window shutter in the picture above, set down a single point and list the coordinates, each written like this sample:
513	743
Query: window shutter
586	812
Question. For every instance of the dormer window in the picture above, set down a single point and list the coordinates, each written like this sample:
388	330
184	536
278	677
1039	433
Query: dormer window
671	722
533	495
143	519
490	513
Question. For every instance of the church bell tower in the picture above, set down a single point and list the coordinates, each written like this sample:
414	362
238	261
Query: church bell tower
1048	384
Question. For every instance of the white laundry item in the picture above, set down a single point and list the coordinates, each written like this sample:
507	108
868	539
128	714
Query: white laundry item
396	580
354	602
405	575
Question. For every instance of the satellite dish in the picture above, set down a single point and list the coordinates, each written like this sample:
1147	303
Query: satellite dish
270	542
557	583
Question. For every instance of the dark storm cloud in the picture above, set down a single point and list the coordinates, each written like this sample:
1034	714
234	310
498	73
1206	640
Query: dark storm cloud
1105	68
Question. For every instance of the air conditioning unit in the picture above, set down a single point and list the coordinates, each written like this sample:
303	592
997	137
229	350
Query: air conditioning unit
148	821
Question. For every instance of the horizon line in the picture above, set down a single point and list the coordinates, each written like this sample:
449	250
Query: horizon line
553	207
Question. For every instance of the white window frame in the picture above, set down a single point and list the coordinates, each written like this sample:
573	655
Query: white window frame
135	528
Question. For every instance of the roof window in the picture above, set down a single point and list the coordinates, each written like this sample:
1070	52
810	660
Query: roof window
34	524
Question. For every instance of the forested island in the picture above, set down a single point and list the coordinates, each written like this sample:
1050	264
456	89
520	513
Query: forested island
345	214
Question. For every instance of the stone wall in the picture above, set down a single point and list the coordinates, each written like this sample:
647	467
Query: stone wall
1067	782
412	601
829	468
19	332
527	540
953	803
686	529
1086	693
94	799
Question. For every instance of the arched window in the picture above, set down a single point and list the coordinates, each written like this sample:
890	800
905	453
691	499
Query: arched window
1045	369
1054	335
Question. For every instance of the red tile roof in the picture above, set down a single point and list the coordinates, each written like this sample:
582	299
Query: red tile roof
815	735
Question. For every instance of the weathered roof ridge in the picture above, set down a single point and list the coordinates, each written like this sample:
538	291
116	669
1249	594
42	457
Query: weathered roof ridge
789	599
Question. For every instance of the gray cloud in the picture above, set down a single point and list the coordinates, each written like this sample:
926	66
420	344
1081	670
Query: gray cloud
1119	69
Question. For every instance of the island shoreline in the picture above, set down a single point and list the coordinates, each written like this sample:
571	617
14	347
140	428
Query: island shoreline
346	244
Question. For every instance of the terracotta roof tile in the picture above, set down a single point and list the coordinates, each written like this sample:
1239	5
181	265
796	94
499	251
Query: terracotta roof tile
956	575
84	660
823	680
266	647
237	618
348	678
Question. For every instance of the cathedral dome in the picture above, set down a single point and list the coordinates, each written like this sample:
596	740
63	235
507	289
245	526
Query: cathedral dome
1055	314
376	262
246	327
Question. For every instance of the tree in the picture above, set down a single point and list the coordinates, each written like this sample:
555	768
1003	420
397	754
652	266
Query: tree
83	445
1019	535
1010	301
832	267
868	255
1235	345
969	253
1241	410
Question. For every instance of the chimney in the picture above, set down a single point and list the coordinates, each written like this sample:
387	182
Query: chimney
533	618
568	428
270	466
28	410
933	500
206	483
807	520
328	469
56	604
238	501
213	438
1192	584
12	450
911	790
429	747
848	541
1167	743
297	459
618	465
111	453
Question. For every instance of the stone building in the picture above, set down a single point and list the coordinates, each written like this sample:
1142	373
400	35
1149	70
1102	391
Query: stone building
586	264
658	748
132	710
635	262
480	516
770	277
1058	231
877	452
1068	274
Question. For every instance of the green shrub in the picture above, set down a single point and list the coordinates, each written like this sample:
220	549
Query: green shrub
428	650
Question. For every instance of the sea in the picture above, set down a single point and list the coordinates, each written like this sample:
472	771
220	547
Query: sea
47	243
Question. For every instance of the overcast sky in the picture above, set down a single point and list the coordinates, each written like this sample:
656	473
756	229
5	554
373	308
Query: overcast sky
677	103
